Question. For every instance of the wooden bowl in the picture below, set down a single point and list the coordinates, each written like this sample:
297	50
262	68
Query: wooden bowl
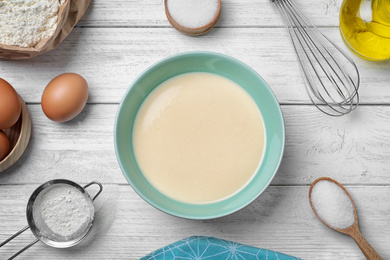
19	136
193	31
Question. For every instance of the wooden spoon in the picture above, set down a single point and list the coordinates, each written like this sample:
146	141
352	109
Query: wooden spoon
193	31
353	230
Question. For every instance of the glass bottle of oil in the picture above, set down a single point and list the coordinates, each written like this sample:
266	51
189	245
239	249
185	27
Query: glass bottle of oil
365	28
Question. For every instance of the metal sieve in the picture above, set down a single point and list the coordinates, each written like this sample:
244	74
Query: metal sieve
41	231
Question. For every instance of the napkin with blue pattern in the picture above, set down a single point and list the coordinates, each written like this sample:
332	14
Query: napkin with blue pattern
199	248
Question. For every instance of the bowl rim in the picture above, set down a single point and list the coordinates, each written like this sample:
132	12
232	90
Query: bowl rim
134	186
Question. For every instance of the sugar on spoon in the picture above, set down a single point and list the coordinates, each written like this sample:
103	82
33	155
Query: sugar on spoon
333	205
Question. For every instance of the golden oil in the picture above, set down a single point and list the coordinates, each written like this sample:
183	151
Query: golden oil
365	28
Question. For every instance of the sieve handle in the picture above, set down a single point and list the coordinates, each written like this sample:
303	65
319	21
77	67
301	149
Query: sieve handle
100	188
15	235
23	249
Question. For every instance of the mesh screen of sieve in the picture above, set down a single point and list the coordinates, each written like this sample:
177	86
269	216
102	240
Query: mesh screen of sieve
62	212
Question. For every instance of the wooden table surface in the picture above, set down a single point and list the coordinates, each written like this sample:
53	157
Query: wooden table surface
115	42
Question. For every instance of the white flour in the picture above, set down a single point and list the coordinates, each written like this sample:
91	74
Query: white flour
27	22
64	209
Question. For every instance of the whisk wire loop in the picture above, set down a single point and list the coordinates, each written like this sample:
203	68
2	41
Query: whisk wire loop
310	42
331	77
299	13
299	48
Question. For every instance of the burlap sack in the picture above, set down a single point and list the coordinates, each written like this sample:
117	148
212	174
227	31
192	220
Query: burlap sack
69	14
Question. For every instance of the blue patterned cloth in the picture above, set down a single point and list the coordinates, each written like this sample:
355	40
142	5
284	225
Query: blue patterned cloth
199	248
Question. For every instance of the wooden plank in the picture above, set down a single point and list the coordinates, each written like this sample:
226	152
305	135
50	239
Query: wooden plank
111	46
353	149
242	13
111	58
280	219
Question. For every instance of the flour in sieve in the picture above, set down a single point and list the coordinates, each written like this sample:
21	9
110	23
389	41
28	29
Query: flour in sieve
65	209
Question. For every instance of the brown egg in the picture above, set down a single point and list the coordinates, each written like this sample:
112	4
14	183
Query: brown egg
65	97
4	145
10	107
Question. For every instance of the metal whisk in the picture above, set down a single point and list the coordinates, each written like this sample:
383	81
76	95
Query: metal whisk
332	77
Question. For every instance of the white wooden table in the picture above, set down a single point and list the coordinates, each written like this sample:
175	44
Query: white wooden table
115	42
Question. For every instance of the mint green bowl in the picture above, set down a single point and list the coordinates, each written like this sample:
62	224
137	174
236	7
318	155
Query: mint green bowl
199	62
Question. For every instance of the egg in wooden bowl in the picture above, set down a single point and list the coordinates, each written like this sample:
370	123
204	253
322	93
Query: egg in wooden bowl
18	136
15	125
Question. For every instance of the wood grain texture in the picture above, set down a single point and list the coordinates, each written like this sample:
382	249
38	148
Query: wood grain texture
354	149
369	252
280	219
243	13
111	58
117	40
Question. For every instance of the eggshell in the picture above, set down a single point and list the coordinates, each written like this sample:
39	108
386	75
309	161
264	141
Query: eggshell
9	105
4	145
65	97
